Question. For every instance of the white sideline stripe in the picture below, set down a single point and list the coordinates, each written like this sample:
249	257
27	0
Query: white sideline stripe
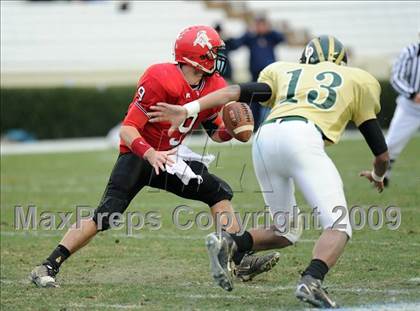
266	288
103	305
151	235
59	146
401	306
206	296
338	288
104	143
414	280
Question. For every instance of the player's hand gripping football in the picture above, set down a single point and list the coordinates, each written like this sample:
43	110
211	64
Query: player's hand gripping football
158	159
378	184
164	112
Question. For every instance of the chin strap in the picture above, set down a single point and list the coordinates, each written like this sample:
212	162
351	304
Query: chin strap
197	65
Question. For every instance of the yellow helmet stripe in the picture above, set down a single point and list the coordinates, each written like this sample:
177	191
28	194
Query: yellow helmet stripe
331	48
341	56
319	50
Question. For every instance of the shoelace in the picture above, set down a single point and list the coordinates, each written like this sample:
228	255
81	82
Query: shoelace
50	270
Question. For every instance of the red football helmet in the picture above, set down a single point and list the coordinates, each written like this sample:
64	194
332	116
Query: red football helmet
199	46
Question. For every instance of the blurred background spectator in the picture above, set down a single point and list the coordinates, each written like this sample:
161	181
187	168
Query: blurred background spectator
261	40
228	71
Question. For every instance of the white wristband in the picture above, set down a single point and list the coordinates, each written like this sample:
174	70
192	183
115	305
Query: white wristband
193	108
376	177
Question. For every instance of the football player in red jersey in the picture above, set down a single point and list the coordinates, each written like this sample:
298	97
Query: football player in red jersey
147	152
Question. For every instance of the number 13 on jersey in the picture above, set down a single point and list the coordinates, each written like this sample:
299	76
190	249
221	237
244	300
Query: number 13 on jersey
327	80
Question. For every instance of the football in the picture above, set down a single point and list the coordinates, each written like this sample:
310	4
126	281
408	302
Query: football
238	120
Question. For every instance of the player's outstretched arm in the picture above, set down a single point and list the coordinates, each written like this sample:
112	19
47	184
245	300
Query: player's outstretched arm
372	133
163	112
246	92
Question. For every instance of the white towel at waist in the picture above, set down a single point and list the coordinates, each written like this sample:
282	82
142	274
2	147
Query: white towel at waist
181	169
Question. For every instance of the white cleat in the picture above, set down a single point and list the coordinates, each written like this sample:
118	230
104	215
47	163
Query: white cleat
309	290
44	276
220	255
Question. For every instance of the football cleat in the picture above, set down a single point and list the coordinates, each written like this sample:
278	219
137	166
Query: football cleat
309	290
252	265
44	276
220	252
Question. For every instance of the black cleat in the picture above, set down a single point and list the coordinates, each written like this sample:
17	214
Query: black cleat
252	265
309	290
44	276
220	252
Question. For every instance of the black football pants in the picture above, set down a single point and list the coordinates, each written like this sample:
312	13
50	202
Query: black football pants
131	173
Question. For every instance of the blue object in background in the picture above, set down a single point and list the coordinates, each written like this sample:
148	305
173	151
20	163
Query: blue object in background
19	135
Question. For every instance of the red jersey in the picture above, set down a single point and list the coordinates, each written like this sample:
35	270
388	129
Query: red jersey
166	83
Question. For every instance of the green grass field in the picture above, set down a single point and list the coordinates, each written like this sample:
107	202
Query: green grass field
168	269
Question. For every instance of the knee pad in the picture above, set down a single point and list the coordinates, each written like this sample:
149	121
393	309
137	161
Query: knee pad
108	207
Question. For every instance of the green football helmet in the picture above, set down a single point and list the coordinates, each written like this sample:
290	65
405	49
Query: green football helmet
324	49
